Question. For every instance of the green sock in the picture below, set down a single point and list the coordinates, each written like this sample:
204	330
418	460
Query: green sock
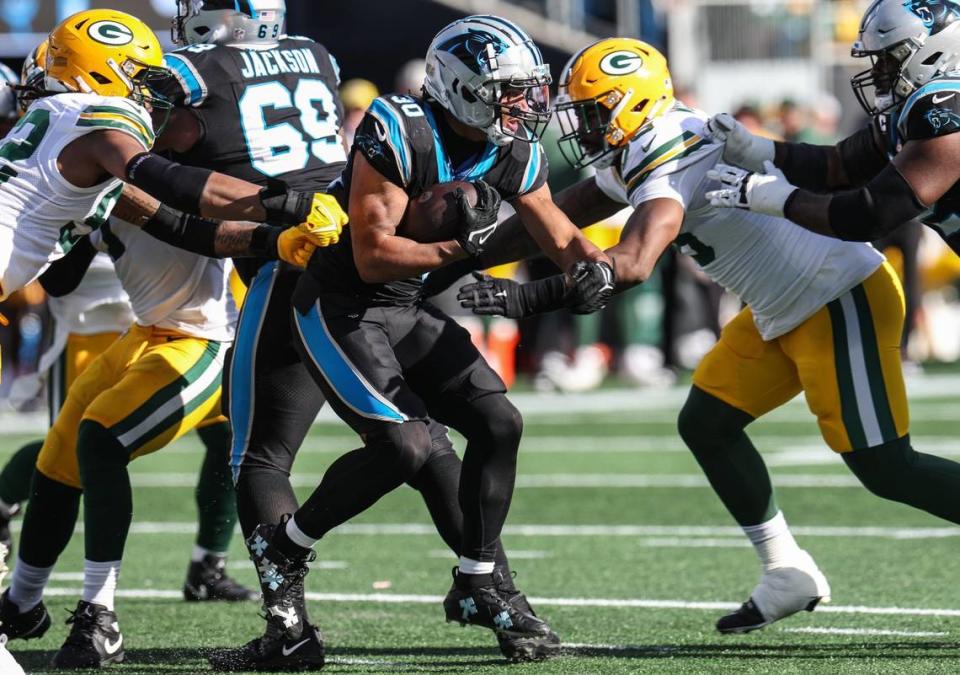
215	493
49	521
714	432
17	474
107	500
896	471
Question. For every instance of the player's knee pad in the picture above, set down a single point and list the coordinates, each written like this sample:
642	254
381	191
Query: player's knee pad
705	420
884	469
405	446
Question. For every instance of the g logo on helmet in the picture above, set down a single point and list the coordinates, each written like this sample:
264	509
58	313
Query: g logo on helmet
110	33
621	63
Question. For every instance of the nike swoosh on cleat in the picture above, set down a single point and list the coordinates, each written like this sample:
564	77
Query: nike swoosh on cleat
291	650
112	647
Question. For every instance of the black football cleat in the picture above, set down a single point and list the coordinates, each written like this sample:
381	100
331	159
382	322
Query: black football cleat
283	651
22	626
7	514
518	647
94	640
207	580
290	642
476	600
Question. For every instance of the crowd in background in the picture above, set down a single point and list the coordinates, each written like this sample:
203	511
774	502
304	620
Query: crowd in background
647	336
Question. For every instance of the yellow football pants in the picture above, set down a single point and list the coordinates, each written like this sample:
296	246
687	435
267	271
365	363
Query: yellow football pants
845	359
79	352
149	387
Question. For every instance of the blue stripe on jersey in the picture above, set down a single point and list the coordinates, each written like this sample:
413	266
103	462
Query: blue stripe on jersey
928	88
445	171
533	168
394	127
191	85
243	362
348	383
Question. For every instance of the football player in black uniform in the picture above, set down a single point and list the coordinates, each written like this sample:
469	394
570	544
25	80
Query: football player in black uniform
388	363
257	104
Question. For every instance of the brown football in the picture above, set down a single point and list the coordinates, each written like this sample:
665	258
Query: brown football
434	215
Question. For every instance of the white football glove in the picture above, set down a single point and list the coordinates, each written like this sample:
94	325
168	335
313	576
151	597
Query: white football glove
740	146
742	189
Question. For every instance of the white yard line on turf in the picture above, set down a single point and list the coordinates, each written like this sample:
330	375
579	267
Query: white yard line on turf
863	631
554	530
640	603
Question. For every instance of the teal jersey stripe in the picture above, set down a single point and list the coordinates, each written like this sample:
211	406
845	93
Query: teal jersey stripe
871	354
849	411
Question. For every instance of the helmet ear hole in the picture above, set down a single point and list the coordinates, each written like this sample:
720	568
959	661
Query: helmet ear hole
467	95
100	78
201	30
641	105
933	58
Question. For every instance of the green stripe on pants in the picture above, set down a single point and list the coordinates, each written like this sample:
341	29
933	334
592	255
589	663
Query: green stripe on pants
848	397
871	355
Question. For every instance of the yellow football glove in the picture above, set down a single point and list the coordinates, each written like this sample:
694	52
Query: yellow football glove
326	220
295	246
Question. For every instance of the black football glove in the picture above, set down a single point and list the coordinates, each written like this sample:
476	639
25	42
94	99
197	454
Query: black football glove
477	223
953	241
489	295
591	286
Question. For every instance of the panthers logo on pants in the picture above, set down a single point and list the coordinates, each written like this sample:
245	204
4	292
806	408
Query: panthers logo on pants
845	359
150	387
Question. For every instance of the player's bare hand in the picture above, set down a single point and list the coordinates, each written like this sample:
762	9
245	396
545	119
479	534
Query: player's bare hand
741	147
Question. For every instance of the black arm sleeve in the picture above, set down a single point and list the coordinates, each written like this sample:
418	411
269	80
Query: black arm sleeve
199	235
876	209
175	184
805	165
64	275
861	156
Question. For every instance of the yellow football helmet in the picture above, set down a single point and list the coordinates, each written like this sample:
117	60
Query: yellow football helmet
106	52
608	91
31	76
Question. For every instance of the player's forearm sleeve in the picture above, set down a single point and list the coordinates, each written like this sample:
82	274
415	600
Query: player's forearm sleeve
541	296
207	237
860	156
805	165
173	184
64	275
876	209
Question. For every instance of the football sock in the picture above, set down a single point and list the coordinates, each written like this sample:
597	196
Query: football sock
470	566
100	582
107	501
713	430
215	495
199	553
263	496
49	521
16	475
27	584
296	535
896	471
773	542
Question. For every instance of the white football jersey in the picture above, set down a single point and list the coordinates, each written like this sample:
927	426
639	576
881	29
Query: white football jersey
97	305
782	271
36	201
169	287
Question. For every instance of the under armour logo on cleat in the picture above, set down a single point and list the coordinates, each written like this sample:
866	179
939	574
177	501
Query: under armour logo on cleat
503	620
270	575
259	546
289	617
469	607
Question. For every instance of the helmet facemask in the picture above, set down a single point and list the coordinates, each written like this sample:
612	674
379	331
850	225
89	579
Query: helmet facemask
588	135
520	108
882	87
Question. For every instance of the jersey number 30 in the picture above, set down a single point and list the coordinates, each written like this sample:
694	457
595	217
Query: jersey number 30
281	148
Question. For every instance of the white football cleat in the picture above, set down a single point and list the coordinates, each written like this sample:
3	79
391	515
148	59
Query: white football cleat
781	592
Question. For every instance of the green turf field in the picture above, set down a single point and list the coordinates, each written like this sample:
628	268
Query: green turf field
614	535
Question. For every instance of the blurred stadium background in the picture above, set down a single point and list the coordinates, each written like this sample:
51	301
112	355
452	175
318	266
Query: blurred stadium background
783	66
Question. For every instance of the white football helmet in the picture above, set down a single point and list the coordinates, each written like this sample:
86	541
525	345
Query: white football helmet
909	42
8	96
489	74
228	21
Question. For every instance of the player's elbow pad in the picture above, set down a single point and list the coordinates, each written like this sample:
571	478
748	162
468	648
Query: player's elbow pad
876	209
173	184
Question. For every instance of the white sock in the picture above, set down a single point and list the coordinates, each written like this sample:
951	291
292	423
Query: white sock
774	544
297	536
199	553
471	566
27	584
100	582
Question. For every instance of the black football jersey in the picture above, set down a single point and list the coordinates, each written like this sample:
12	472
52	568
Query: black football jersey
932	110
408	140
265	113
